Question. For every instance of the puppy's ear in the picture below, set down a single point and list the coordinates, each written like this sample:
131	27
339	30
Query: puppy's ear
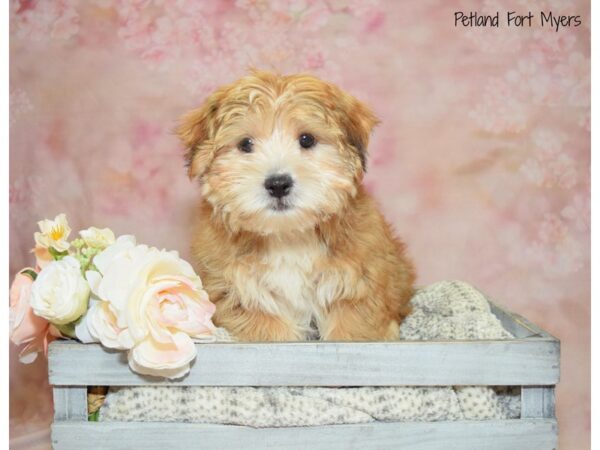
197	130
358	122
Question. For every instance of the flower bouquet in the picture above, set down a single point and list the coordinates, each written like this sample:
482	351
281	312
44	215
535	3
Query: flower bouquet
124	295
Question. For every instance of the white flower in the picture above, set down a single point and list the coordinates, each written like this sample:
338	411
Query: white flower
150	302
60	293
99	321
53	233
98	238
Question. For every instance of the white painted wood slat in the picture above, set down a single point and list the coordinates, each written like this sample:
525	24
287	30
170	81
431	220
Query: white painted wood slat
525	434
403	363
537	401
70	403
517	325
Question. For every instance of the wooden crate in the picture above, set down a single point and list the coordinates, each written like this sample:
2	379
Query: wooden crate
530	361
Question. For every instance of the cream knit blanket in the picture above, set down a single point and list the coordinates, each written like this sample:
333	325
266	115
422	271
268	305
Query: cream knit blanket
445	310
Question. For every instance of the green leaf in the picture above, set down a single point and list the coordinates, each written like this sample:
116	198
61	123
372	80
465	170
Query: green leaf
67	329
31	273
56	254
93	417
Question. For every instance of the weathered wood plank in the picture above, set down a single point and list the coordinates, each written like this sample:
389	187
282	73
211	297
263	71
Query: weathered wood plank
517	325
539	434
537	401
404	363
509	323
70	403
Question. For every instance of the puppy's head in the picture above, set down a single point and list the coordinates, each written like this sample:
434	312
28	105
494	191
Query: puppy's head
277	153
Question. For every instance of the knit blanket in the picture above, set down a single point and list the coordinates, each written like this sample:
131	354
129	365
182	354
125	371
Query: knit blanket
445	310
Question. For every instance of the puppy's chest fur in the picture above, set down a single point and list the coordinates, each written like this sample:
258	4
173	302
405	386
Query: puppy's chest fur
288	278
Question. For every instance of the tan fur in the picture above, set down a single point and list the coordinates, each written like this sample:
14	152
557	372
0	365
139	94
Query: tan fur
331	260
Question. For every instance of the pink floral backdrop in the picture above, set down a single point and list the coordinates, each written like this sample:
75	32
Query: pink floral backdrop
481	162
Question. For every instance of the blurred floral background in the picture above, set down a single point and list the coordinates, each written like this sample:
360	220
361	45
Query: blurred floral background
481	162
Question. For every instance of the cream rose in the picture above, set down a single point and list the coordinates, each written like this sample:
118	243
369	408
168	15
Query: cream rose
53	233
60	293
150	302
98	237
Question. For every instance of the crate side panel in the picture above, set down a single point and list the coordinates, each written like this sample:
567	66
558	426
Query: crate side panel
509	362
490	435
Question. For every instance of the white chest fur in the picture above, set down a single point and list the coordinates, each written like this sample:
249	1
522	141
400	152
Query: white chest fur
287	279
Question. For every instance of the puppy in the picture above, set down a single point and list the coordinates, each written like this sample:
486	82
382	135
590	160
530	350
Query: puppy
288	243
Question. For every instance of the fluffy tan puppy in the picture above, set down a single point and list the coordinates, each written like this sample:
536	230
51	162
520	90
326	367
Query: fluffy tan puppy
288	243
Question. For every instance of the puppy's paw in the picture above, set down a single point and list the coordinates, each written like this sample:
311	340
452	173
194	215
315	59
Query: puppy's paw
355	321
259	326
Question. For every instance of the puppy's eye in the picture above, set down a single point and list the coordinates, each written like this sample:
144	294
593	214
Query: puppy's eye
307	140
246	145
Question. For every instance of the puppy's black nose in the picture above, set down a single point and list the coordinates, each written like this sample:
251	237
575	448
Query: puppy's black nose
279	185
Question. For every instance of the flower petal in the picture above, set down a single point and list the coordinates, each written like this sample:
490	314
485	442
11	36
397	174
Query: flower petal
155	358
103	259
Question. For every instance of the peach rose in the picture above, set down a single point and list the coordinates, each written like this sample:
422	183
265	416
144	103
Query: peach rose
31	332
42	257
150	302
